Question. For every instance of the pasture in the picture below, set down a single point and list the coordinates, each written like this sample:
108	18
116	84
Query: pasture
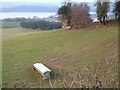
93	52
10	24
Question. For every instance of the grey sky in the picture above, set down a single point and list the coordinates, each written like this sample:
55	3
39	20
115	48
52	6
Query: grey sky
46	0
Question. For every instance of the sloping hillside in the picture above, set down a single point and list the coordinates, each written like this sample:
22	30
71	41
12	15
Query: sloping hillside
91	52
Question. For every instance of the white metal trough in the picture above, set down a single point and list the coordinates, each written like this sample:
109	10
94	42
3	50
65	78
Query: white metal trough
43	70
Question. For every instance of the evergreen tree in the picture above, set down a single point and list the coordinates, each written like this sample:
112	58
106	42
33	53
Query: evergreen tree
65	12
116	10
99	11
105	9
102	10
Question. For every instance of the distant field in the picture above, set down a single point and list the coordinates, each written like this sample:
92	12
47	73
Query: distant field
93	51
10	24
17	32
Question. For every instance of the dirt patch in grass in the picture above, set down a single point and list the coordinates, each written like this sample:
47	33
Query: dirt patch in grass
57	62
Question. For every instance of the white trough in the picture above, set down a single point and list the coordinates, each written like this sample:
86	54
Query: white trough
43	70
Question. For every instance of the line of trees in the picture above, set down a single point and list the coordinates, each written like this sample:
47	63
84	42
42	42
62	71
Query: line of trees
42	24
103	7
76	15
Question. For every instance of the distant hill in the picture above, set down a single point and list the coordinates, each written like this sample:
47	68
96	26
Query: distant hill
31	8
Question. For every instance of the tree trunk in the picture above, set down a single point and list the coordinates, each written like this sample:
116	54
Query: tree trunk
116	16
119	18
104	20
100	18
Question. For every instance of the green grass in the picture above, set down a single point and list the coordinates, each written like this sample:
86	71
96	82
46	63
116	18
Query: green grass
56	49
10	24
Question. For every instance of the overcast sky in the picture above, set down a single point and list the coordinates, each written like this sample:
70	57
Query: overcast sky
46	0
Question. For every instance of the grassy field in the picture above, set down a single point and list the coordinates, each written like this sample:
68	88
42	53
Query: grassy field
92	52
10	24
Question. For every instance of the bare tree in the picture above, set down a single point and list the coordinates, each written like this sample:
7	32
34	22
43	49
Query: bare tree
80	15
74	15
